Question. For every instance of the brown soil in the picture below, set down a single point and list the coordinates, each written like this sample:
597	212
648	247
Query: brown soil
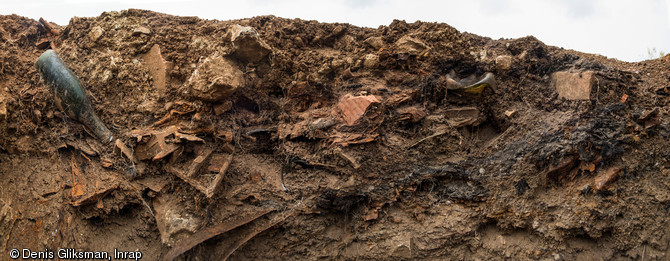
531	176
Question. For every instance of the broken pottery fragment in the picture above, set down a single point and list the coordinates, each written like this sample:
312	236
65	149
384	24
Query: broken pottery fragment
352	108
215	79
157	67
247	44
573	86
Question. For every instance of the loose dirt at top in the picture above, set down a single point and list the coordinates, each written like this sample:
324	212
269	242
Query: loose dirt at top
270	138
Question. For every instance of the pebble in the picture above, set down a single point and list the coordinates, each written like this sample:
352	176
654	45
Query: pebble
504	62
141	30
371	61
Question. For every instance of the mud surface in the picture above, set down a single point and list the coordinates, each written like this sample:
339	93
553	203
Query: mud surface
329	141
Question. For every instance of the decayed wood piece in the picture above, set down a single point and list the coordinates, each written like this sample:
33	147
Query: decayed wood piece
209	232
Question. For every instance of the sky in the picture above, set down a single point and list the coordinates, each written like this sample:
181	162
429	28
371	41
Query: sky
621	29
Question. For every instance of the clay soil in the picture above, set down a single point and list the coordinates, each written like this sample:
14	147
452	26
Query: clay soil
345	143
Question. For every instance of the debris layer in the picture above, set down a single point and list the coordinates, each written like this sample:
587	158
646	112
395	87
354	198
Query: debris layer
366	143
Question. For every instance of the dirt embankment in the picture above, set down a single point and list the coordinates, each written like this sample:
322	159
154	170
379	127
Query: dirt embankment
270	138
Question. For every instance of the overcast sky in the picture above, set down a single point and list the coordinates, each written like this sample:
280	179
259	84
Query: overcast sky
626	30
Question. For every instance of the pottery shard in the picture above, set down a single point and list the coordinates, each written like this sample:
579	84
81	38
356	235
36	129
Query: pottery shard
464	116
573	86
247	45
215	78
157	67
410	45
352	108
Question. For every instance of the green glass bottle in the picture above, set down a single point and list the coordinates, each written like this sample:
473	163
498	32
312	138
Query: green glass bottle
69	94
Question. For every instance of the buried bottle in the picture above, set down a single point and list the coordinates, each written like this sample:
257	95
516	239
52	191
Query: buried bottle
69	94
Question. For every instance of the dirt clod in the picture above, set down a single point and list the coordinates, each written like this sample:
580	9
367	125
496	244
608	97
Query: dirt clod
216	78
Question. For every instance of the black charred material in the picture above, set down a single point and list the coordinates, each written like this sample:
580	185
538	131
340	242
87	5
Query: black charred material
521	186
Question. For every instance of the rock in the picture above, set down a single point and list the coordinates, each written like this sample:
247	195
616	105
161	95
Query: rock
464	116
247	45
352	108
337	64
401	246
573	86
407	44
6	212
174	222
223	107
95	33
298	42
371	61
4	101
141	30
557	256
157	67
375	42
215	79
325	68
504	62
510	113
402	250
149	105
201	44
322	123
